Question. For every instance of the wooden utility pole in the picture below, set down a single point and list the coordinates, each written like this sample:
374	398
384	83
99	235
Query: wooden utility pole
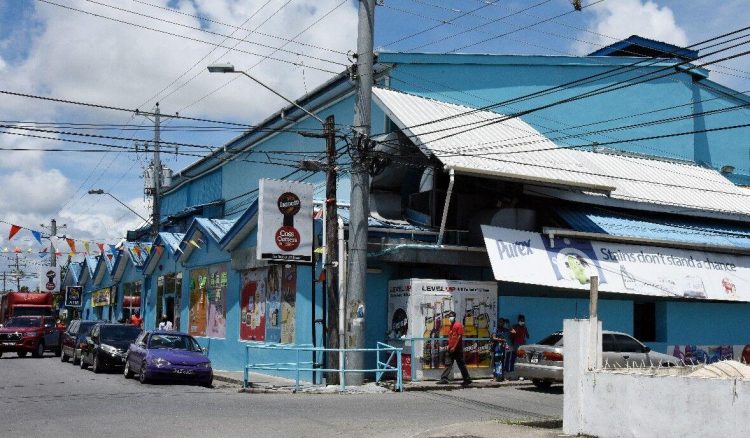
332	250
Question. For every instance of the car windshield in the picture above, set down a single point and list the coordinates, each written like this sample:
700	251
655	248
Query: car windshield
24	322
176	342
119	333
85	327
553	340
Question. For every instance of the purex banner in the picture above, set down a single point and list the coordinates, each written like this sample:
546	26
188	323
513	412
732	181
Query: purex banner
532	258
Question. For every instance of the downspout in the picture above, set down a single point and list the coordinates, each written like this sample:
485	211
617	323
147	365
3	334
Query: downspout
447	205
342	291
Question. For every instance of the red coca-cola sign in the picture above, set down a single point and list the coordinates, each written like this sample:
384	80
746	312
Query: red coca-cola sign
287	238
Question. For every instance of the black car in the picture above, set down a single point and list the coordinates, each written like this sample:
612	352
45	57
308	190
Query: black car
73	339
106	345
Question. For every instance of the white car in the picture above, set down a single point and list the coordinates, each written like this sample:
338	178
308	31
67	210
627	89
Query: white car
542	362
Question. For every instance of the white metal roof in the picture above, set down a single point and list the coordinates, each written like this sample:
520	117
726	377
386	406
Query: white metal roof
514	150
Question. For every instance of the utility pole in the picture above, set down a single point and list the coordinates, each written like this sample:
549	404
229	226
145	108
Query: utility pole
52	232
18	275
332	250
360	195
156	214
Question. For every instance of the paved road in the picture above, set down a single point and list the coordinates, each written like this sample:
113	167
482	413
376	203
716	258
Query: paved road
44	397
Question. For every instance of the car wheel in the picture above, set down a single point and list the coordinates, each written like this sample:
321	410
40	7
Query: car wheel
1	354
208	383
82	363
39	352
127	372
76	360
541	384
63	357
21	353
142	375
95	364
58	351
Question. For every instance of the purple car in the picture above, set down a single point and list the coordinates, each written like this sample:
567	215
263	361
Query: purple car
162	355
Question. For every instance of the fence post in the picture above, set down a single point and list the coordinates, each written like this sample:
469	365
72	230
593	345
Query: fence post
399	375
342	371
296	384
247	363
414	375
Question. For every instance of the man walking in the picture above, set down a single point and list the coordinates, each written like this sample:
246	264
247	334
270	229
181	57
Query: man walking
455	352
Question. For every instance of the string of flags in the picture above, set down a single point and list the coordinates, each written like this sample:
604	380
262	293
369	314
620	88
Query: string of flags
15	229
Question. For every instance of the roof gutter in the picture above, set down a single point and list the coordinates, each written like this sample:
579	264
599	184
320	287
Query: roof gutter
561	232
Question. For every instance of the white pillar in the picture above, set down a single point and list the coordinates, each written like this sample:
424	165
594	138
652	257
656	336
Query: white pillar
579	358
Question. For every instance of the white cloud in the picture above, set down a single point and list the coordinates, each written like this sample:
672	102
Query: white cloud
616	20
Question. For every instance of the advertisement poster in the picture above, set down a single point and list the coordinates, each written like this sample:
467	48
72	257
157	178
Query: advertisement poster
273	304
73	296
285	220
418	309
100	298
253	305
288	302
216	292
49	278
197	317
525	257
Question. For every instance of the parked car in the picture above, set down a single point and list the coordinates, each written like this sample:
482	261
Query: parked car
542	362
106	345
30	334
73	339
166	355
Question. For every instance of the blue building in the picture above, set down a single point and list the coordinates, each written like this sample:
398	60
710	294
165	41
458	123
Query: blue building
631	146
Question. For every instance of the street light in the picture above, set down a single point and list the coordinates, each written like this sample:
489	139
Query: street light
331	320
102	192
229	68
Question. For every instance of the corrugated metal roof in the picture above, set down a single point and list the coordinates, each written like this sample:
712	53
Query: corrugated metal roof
217	228
373	222
690	231
514	150
172	240
137	252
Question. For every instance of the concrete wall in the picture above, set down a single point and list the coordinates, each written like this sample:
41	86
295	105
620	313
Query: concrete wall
617	404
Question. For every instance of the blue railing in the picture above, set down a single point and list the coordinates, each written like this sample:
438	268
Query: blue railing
440	344
299	366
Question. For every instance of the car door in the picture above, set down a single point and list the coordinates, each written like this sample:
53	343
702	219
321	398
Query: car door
633	352
89	343
51	335
138	352
69	338
611	356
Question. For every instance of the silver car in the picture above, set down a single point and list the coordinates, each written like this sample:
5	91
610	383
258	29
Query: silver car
542	362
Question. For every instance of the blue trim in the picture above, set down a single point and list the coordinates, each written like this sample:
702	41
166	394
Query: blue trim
669	50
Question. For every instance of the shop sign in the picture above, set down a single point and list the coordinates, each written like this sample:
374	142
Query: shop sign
285	220
532	258
73	296
100	298
49	278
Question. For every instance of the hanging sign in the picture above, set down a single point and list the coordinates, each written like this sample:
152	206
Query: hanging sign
525	257
285	221
73	296
49	278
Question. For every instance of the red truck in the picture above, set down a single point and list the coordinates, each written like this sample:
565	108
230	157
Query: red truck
30	334
26	304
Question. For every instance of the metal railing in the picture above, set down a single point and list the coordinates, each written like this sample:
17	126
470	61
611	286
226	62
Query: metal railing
440	344
299	366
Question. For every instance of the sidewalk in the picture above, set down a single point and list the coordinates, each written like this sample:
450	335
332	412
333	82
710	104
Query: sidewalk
263	383
491	429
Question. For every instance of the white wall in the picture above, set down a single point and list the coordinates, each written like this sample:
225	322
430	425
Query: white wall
618	404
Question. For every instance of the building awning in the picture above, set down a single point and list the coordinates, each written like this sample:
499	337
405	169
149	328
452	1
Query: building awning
485	143
622	268
687	230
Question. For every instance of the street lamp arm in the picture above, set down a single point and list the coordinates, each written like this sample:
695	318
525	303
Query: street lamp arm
102	192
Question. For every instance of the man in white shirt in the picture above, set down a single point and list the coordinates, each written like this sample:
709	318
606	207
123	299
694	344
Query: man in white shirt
165	324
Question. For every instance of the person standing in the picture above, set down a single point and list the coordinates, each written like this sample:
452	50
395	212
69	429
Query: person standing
518	336
455	352
136	319
499	338
165	324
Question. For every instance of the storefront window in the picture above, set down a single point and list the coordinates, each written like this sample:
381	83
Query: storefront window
168	291
131	301
208	312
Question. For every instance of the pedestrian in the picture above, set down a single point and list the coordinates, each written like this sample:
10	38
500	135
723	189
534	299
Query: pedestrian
499	338
136	319
518	336
165	324
455	352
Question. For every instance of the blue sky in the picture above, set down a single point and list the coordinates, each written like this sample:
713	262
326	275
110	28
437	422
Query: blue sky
85	50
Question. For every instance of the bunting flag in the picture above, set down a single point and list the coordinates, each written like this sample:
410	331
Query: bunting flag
137	250
101	248
109	256
17	250
37	235
194	243
148	249
29	250
71	244
320	250
14	229
43	254
5	249
86	246
113	249
158	250
71	254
